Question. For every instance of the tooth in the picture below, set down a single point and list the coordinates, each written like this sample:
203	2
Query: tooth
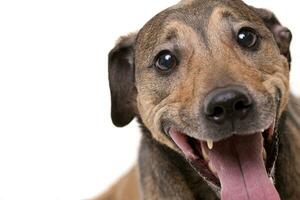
264	154
210	144
212	168
205	154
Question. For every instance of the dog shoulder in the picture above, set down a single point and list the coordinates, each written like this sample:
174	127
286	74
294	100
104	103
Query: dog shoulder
126	188
293	110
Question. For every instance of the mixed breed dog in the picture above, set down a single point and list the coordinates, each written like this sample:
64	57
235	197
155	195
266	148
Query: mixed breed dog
208	81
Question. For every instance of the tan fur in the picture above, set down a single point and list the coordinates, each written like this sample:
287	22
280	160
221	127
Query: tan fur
220	61
150	113
210	59
127	188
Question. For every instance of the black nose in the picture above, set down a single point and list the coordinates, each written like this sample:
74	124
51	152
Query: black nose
226	104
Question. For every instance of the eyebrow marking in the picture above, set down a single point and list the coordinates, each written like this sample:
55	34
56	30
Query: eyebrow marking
171	35
175	31
226	14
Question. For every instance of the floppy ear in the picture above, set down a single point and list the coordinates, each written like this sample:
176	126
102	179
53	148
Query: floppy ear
122	82
282	35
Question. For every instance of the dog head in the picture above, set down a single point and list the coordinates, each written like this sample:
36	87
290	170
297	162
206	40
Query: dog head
209	79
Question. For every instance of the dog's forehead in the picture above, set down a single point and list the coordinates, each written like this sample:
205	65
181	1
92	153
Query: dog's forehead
195	14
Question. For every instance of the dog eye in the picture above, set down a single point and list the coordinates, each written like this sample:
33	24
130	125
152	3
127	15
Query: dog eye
247	37
165	61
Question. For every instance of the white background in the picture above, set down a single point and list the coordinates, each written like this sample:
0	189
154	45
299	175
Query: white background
56	137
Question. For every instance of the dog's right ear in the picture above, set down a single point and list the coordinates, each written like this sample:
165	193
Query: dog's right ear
122	81
282	35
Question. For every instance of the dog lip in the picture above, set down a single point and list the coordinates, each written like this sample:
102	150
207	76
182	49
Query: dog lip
167	126
194	157
166	129
192	151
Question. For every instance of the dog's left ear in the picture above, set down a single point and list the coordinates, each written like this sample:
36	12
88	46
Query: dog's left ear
282	35
122	82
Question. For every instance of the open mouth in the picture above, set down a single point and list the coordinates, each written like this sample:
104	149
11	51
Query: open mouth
239	166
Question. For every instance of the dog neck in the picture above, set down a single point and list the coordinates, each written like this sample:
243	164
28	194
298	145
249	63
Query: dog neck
164	174
287	171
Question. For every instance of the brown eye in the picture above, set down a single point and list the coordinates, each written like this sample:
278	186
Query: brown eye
247	37
165	61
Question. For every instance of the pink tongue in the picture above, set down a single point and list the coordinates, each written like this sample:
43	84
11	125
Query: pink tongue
241	170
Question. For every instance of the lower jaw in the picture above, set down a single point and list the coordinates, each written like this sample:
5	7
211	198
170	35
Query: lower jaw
199	160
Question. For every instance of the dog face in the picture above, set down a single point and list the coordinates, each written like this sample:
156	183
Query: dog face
203	74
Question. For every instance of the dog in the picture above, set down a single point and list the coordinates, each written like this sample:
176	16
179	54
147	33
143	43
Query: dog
208	81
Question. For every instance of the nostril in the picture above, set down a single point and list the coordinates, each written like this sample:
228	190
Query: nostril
218	113
241	105
241	108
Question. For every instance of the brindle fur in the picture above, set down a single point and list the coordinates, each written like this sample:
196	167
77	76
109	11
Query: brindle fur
201	32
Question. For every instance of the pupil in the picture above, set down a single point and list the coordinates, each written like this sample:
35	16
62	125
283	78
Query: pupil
168	57
242	36
246	38
166	61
